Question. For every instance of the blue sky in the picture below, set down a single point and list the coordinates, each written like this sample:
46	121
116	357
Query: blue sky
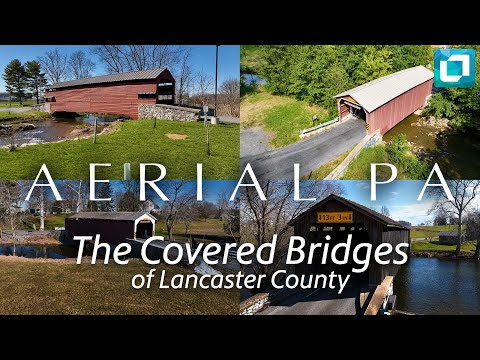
400	197
203	58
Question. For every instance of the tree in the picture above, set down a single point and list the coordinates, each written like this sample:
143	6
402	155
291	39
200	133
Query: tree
180	199
106	192
15	79
184	78
36	80
463	192
472	222
12	195
384	211
122	58
79	65
405	223
230	91
75	194
55	65
375	64
440	219
203	85
261	219
129	198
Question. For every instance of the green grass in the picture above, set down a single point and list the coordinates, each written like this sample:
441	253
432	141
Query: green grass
136	142
359	168
27	115
251	58
325	169
51	221
283	116
4	104
34	287
468	246
417	232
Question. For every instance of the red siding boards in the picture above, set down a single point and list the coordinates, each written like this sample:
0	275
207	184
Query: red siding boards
390	114
108	98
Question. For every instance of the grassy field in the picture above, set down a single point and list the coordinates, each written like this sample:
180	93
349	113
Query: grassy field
27	115
283	116
51	221
430	231
4	104
468	246
136	142
57	287
325	169
359	168
251	58
209	227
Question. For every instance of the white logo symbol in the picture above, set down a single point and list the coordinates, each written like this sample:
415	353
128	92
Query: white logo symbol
464	59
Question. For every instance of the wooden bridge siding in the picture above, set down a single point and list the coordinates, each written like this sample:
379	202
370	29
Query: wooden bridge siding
104	98
112	232
394	237
391	113
374	229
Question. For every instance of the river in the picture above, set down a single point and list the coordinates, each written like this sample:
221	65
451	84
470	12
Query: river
433	286
456	153
52	130
37	251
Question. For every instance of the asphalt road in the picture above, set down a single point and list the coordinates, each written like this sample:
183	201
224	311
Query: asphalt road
253	141
310	153
319	302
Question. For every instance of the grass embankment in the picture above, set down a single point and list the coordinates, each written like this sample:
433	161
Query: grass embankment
325	169
6	104
51	222
282	116
136	142
431	232
30	115
467	246
212	229
61	287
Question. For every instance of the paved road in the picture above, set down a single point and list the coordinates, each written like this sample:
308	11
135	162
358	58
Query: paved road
320	302
253	141
16	109
310	153
229	119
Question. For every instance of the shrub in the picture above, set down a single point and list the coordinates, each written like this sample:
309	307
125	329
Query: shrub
399	152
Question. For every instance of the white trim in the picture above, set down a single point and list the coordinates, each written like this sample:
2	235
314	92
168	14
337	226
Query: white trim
140	218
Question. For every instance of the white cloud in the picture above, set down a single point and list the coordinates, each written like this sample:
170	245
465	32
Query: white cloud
415	213
393	193
364	185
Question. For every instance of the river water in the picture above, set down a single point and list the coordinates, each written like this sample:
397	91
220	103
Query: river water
456	153
50	252
52	130
434	286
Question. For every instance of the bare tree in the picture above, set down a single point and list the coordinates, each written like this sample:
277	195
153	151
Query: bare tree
203	87
74	194
180	199
384	211
184	77
79	65
261	219
123	58
463	192
12	195
472	222
230	91
129	198
55	65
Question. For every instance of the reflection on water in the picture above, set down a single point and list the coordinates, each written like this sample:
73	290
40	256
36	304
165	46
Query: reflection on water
52	130
456	153
50	252
438	286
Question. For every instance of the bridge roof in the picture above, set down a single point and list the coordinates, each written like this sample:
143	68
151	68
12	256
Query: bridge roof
112	78
112	215
380	91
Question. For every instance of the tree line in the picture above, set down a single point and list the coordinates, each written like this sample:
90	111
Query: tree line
317	73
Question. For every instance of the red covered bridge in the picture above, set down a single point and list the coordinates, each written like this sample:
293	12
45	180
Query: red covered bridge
112	94
386	101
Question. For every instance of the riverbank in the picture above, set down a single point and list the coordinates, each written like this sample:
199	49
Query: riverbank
43	286
33	240
30	115
442	254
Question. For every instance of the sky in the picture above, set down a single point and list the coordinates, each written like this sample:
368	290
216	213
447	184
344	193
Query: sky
400	197
202	58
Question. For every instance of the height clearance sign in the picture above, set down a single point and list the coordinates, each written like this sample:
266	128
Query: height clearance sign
335	217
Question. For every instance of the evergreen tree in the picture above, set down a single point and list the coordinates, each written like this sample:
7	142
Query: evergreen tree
36	80
106	192
15	79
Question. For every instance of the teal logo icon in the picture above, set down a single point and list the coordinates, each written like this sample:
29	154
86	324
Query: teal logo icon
454	68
